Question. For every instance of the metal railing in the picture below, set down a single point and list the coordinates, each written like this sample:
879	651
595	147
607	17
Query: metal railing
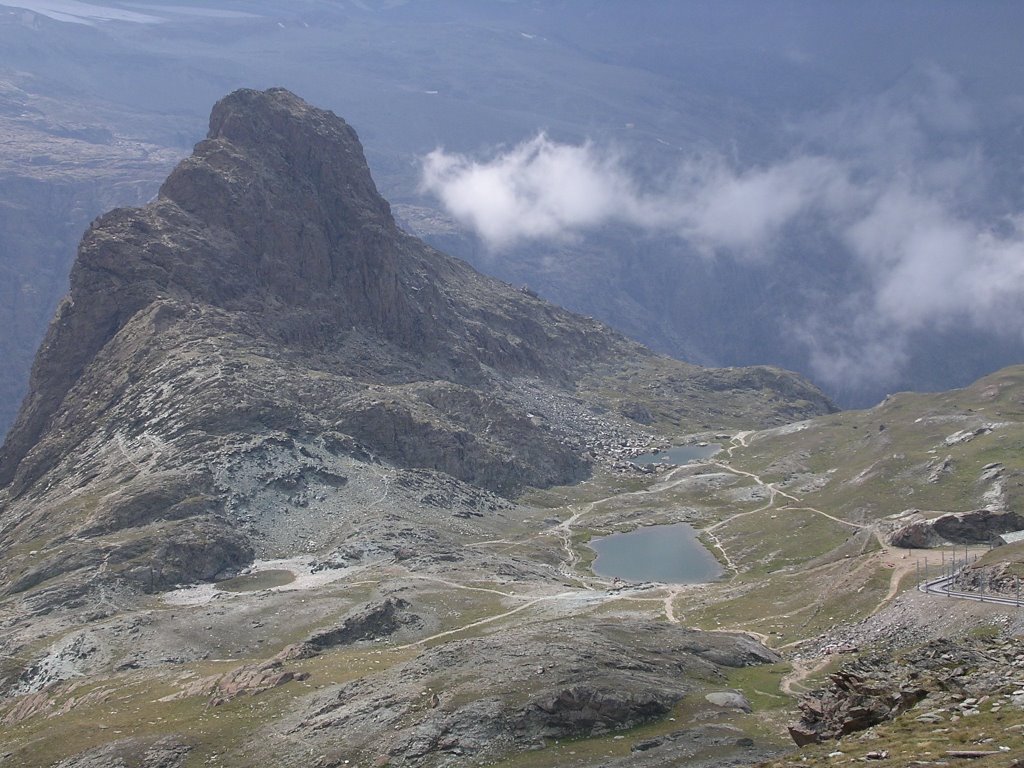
948	569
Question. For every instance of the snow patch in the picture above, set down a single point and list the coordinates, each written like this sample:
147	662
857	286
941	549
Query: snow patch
302	568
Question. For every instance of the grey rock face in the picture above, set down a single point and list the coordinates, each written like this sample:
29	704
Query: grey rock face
590	678
240	362
976	527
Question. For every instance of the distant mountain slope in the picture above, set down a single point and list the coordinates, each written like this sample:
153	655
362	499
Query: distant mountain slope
662	82
56	173
250	344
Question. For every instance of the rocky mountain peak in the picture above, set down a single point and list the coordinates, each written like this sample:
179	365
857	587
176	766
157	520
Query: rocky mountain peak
253	361
274	214
290	184
286	191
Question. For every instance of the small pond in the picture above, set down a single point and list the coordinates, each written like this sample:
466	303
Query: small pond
667	553
253	582
679	454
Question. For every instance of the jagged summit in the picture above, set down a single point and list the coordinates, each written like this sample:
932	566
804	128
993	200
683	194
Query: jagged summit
260	366
274	211
288	187
239	363
275	214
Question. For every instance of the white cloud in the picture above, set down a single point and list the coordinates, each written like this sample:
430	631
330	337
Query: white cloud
539	189
542	189
743	212
933	268
896	179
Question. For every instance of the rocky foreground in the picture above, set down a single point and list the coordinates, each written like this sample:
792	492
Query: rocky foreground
943	681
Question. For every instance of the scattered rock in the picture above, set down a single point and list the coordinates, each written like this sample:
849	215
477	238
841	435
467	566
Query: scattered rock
246	680
940	469
877	688
729	700
369	622
966	435
643	746
169	752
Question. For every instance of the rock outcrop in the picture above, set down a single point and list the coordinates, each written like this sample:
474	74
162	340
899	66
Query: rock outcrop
919	534
976	527
946	677
239	363
571	680
852	703
370	622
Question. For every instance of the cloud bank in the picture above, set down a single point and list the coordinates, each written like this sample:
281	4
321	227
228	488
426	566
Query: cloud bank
543	189
899	181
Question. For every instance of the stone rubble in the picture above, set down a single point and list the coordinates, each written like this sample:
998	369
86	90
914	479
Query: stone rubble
946	679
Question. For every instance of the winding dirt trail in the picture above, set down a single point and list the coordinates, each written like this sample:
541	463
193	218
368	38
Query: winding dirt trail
471	625
901	566
669	603
858	526
802	670
739	440
594	590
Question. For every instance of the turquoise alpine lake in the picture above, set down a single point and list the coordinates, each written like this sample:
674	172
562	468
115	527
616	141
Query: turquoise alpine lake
679	454
671	554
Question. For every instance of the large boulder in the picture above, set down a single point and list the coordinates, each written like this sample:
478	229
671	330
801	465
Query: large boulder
977	527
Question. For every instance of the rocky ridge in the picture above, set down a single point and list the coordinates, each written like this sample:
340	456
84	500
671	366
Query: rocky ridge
262	343
942	681
258	373
612	676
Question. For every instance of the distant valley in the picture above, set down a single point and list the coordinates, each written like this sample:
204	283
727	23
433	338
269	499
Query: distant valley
291	485
415	81
297	472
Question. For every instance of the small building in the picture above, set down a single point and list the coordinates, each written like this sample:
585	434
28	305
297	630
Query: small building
1013	537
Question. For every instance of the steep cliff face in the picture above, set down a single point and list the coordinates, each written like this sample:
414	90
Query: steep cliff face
51	186
242	357
275	210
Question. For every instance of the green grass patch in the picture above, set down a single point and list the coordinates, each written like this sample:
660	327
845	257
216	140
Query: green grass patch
774	539
790	606
760	685
910	743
